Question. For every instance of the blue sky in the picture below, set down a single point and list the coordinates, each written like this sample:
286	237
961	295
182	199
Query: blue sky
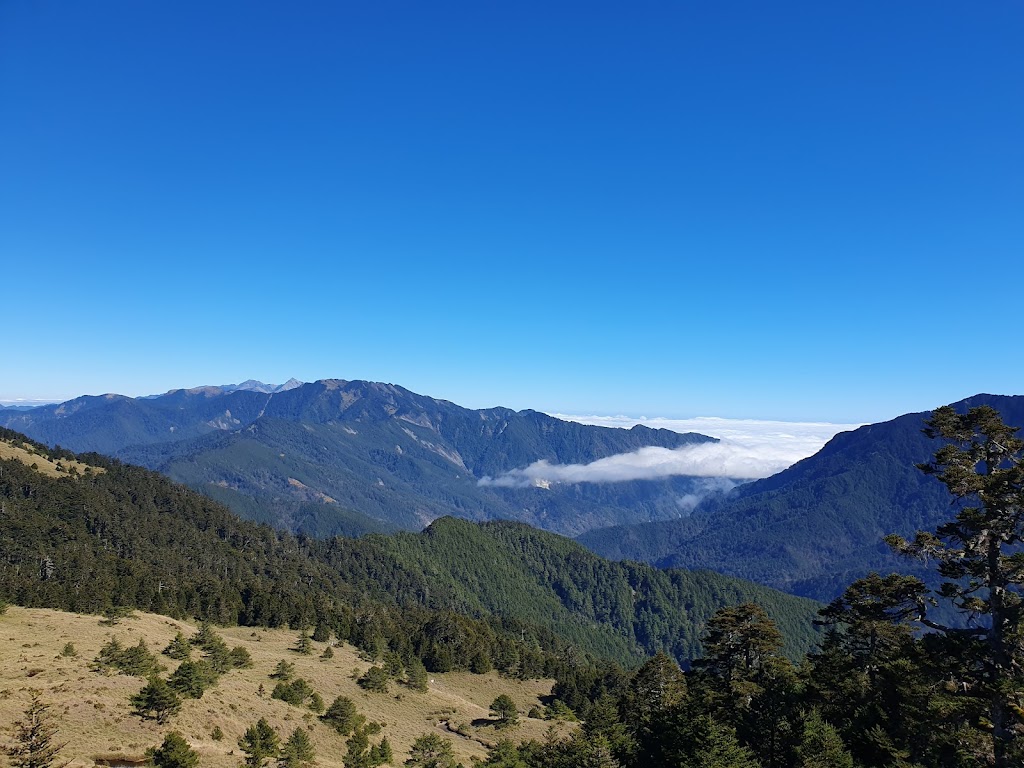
740	209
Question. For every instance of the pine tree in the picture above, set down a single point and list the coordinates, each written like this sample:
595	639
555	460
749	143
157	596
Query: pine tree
303	644
259	742
357	750
655	691
156	697
192	678
416	676
297	751
316	702
109	656
982	465
381	754
34	745
375	679
503	755
719	748
505	710
174	752
431	751
204	636
343	716
821	746
218	656
240	658
179	648
284	671
738	641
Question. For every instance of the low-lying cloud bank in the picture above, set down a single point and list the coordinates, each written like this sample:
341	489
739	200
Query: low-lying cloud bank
748	450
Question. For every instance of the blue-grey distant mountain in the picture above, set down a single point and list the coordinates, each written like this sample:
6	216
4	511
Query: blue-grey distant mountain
813	528
252	385
350	456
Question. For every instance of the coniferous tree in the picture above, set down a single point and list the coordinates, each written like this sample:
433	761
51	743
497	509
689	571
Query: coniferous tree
260	742
343	716
303	644
138	661
357	750
374	679
109	656
504	755
381	754
284	671
179	648
870	677
158	698
431	751
192	678
603	722
821	746
218	656
240	658
316	702
505	711
744	682
297	750
718	747
34	745
982	465
204	635
416	676
174	752
656	691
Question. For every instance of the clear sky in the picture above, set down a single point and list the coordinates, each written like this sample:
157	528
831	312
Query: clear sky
798	210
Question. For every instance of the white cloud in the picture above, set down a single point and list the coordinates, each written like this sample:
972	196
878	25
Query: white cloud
748	449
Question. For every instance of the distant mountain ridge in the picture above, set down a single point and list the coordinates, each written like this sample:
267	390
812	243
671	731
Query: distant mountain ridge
818	525
251	385
337	456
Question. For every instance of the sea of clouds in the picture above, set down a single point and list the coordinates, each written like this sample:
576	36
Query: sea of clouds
748	449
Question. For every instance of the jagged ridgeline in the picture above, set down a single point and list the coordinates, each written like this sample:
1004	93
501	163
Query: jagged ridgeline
352	457
86	533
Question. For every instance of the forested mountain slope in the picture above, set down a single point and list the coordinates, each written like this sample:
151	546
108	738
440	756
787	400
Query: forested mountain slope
115	534
815	527
353	456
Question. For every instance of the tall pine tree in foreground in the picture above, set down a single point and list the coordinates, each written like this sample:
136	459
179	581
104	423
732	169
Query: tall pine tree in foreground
980	558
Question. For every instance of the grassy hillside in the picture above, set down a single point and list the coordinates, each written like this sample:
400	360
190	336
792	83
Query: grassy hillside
93	713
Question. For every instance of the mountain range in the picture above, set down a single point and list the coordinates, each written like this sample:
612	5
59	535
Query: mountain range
355	457
350	457
815	527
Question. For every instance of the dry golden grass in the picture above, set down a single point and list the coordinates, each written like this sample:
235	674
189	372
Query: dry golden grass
94	717
25	454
